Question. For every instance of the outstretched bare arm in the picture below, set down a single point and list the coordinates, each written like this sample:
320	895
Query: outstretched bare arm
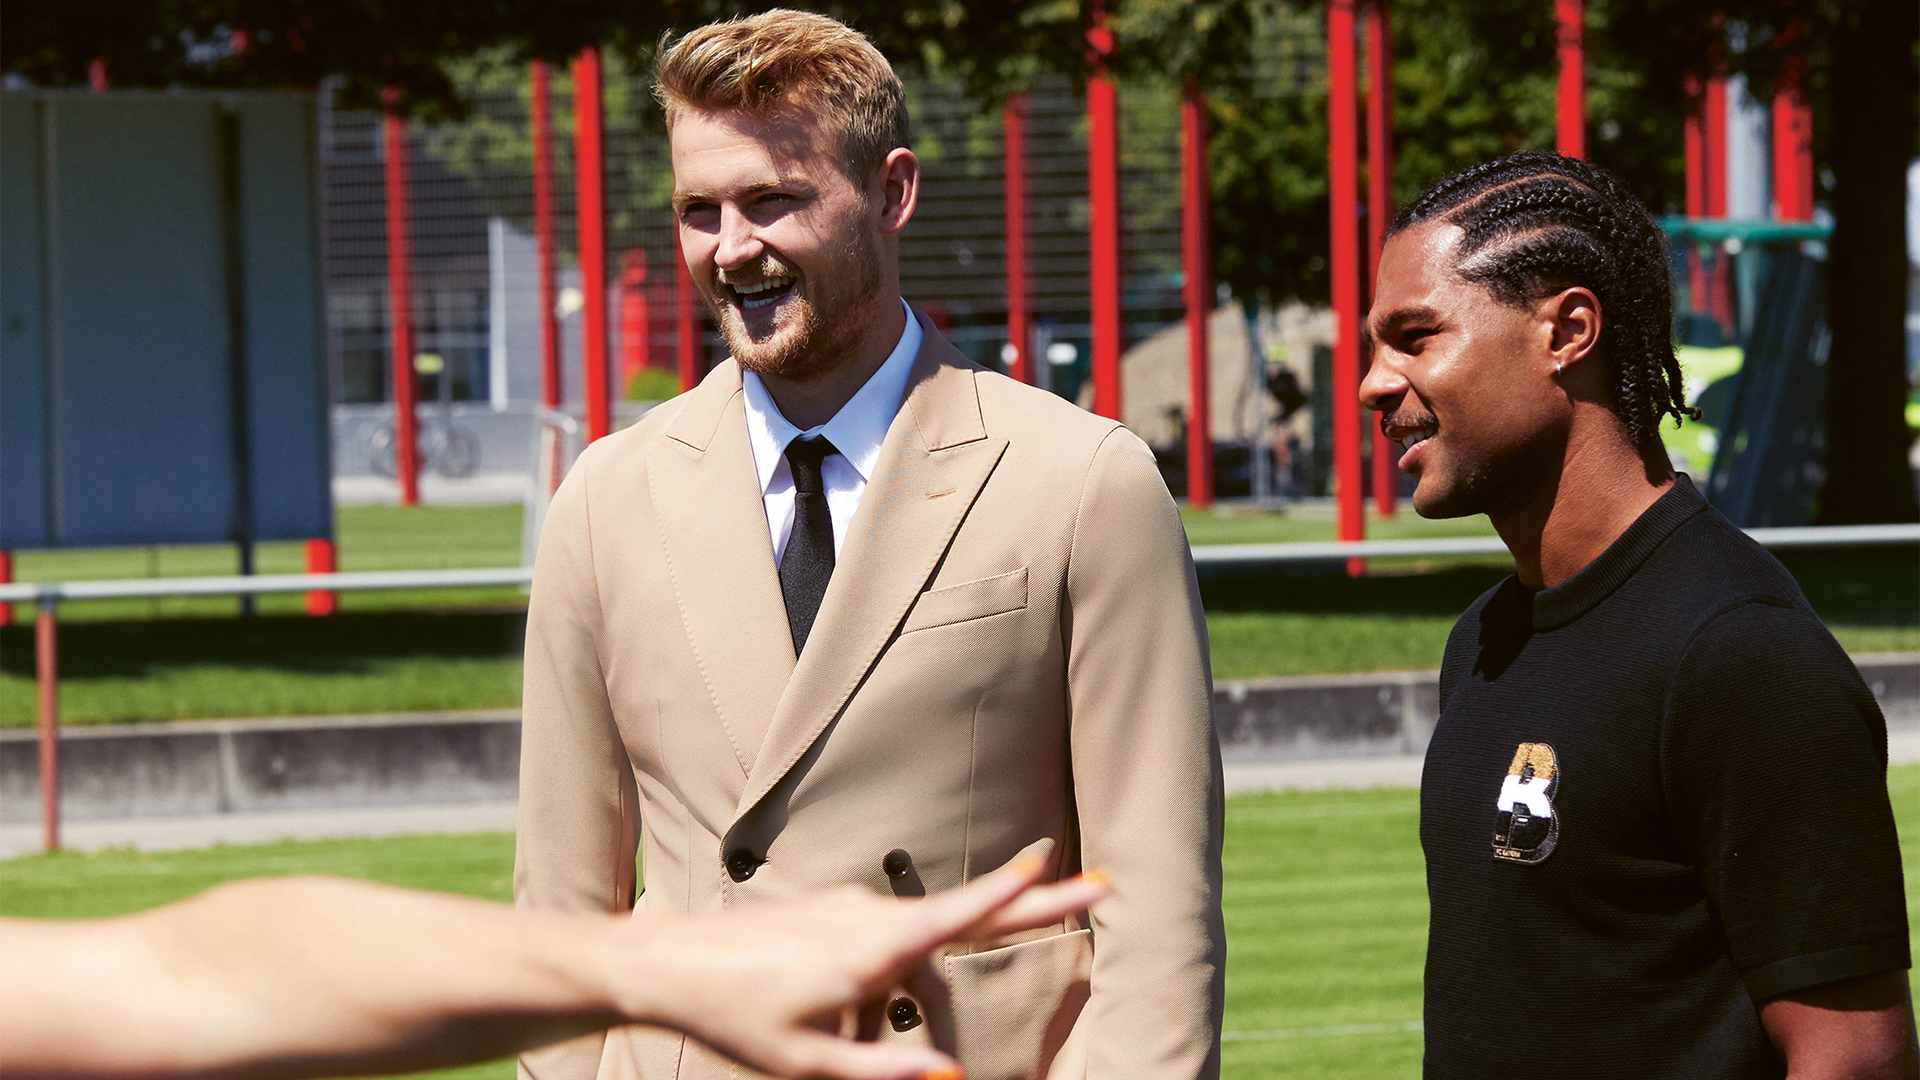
307	977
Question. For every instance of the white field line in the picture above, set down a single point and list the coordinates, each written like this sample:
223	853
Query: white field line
1334	1031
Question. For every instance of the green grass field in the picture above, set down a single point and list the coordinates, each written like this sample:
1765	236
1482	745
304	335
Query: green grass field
1326	914
459	649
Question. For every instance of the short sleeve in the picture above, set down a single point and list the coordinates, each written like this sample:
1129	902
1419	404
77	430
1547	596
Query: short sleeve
1775	770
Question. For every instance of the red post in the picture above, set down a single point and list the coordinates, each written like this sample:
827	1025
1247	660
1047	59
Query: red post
46	663
541	103
590	209
320	560
406	444
636	353
6	578
1386	478
1792	144
1103	198
1694	149
1570	98
686	319
97	75
1196	271
1343	205
1714	170
1019	311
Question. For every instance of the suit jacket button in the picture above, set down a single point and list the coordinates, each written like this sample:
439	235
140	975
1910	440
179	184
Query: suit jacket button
897	864
741	864
903	1014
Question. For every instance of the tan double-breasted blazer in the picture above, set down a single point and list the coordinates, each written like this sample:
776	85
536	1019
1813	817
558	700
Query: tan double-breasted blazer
1010	657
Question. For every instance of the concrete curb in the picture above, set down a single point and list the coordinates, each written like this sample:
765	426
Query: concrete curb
200	767
1315	731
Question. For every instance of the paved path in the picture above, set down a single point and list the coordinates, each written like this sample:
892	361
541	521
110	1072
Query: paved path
175	834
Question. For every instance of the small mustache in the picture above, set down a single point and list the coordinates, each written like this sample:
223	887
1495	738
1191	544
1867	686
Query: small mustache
768	267
1406	419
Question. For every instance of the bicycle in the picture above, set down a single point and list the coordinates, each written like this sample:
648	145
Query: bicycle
451	451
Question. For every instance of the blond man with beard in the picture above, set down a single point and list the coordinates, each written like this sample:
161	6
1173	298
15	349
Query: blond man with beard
858	611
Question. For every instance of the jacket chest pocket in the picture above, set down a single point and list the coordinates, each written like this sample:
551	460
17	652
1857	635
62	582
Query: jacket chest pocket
968	601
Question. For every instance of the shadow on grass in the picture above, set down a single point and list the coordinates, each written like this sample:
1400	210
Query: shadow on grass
337	644
1873	586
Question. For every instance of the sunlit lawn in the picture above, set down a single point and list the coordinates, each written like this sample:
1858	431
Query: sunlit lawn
366	538
1326	914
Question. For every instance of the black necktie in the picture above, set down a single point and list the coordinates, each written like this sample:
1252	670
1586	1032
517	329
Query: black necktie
808	563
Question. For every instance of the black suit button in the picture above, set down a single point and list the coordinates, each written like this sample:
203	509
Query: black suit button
903	1014
897	864
741	864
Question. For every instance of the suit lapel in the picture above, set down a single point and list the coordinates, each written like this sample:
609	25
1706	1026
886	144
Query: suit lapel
713	522
935	459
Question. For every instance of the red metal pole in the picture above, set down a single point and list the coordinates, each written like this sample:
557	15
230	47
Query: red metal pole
686	319
1714	138
1343	205
1570	98
1196	271
97	75
1019	312
406	444
1379	37
6	578
1792	145
46	663
1694	148
1103	198
541	101
636	353
591	213
320	560
1714	132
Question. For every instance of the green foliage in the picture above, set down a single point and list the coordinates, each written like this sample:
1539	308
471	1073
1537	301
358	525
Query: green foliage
652	384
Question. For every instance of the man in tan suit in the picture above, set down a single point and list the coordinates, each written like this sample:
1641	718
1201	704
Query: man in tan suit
857	610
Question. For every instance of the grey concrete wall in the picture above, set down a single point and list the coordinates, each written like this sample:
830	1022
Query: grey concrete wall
240	766
312	763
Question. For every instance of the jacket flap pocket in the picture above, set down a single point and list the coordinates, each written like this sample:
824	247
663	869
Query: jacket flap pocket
1014	1008
969	600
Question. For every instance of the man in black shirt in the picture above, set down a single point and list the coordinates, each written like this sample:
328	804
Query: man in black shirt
1654	809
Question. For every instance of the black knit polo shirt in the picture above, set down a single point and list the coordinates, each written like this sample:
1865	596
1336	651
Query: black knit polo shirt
1655	797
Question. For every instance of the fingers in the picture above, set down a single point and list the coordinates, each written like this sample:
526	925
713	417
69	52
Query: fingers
1000	903
951	914
1044	905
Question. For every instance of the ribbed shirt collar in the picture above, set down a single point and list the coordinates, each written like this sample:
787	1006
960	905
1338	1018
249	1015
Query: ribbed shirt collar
857	430
1580	593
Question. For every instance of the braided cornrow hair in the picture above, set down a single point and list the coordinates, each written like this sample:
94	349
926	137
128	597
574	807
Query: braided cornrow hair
1537	223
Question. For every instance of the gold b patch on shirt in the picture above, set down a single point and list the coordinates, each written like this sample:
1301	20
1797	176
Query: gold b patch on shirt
1525	824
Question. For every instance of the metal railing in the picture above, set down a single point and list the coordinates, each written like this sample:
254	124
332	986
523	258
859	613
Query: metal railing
1256	555
49	595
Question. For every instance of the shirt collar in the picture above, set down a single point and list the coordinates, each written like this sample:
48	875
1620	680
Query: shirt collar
1596	581
857	430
